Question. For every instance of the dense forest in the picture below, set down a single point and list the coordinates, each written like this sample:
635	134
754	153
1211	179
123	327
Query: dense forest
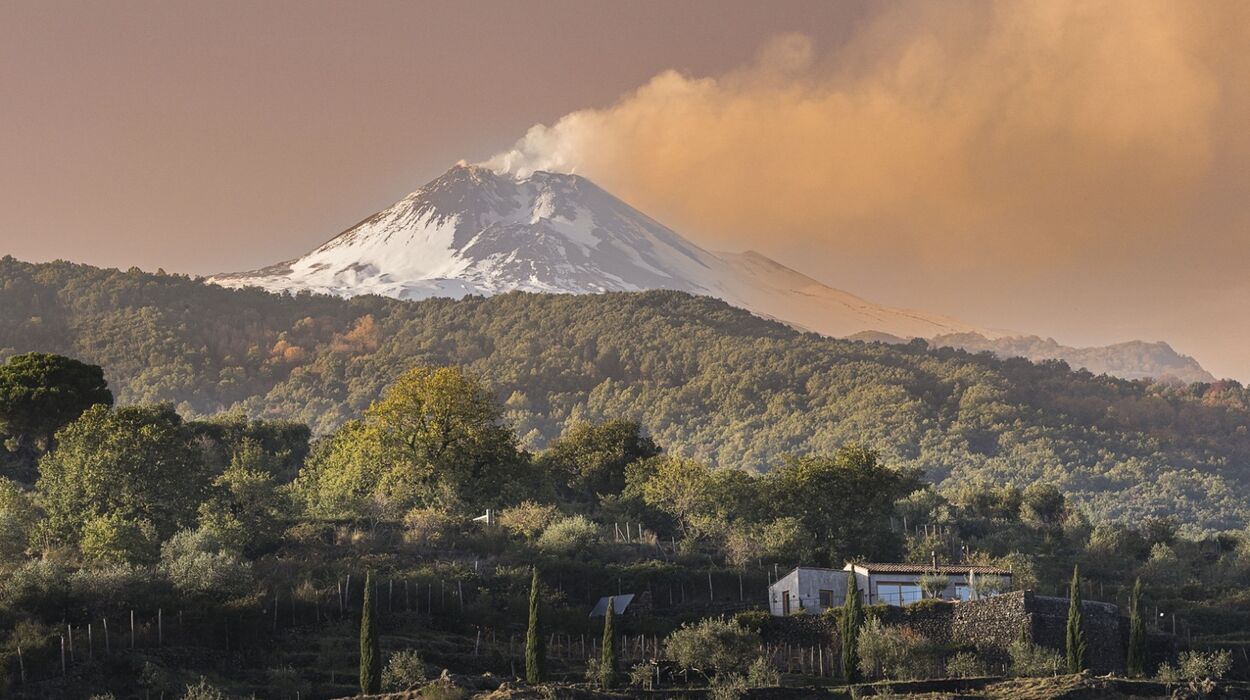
703	379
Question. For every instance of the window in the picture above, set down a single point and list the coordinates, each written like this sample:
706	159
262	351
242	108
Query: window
898	593
962	592
826	599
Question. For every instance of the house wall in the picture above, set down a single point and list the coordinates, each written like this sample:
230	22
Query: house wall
805	586
788	583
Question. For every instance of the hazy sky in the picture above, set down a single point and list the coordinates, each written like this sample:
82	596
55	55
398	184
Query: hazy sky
1073	169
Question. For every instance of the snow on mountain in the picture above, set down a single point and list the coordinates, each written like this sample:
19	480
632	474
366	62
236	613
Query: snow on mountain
475	231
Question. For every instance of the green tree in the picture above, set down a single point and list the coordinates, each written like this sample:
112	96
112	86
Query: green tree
134	463
40	392
857	522
245	507
850	621
535	648
1075	638
433	439
607	662
1136	656
370	650
18	518
590	458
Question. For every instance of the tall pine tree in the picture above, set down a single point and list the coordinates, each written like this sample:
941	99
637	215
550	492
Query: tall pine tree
851	620
607	661
1076	645
535	649
1136	661
370	652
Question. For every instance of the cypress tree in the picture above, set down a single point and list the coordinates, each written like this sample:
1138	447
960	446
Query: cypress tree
607	661
1136	661
535	651
851	620
370	653
1076	645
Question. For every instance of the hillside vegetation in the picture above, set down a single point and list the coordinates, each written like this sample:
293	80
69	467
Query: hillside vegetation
704	379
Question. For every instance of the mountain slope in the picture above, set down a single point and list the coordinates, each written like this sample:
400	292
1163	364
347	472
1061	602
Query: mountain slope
704	378
1135	359
473	231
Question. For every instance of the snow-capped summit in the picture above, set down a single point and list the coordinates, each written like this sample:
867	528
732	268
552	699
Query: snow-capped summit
475	231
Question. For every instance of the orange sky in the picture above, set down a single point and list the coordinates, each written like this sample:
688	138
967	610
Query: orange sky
1073	169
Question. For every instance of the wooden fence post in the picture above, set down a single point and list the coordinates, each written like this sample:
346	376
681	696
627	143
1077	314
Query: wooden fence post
107	649
62	655
132	628
21	665
160	627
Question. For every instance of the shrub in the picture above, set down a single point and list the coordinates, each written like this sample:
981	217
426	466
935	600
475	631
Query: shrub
712	647
753	620
427	527
285	682
572	535
1197	667
899	653
115	538
197	565
965	664
1031	660
37	586
642	675
761	674
729	686
113	587
404	670
528	518
203	690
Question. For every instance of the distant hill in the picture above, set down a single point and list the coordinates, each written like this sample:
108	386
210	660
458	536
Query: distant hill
1134	359
706	379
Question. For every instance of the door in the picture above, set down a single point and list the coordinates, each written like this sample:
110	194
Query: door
785	602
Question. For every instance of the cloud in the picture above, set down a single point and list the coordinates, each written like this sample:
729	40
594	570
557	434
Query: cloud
939	131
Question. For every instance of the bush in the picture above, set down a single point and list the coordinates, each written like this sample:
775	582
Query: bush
285	682
642	675
1031	660
761	674
528	518
114	538
730	686
404	670
899	653
965	664
1197	667
572	535
428	527
37	586
203	690
114	587
197	565
712	647
753	620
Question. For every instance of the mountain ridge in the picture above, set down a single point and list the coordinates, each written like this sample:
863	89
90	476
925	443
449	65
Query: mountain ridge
1133	359
475	231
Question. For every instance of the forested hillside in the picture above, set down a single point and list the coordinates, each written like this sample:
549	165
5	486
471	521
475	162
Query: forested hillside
705	380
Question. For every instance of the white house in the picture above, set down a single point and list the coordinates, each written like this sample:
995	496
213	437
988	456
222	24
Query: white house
813	590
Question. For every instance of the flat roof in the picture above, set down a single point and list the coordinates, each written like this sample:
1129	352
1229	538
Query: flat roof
893	568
